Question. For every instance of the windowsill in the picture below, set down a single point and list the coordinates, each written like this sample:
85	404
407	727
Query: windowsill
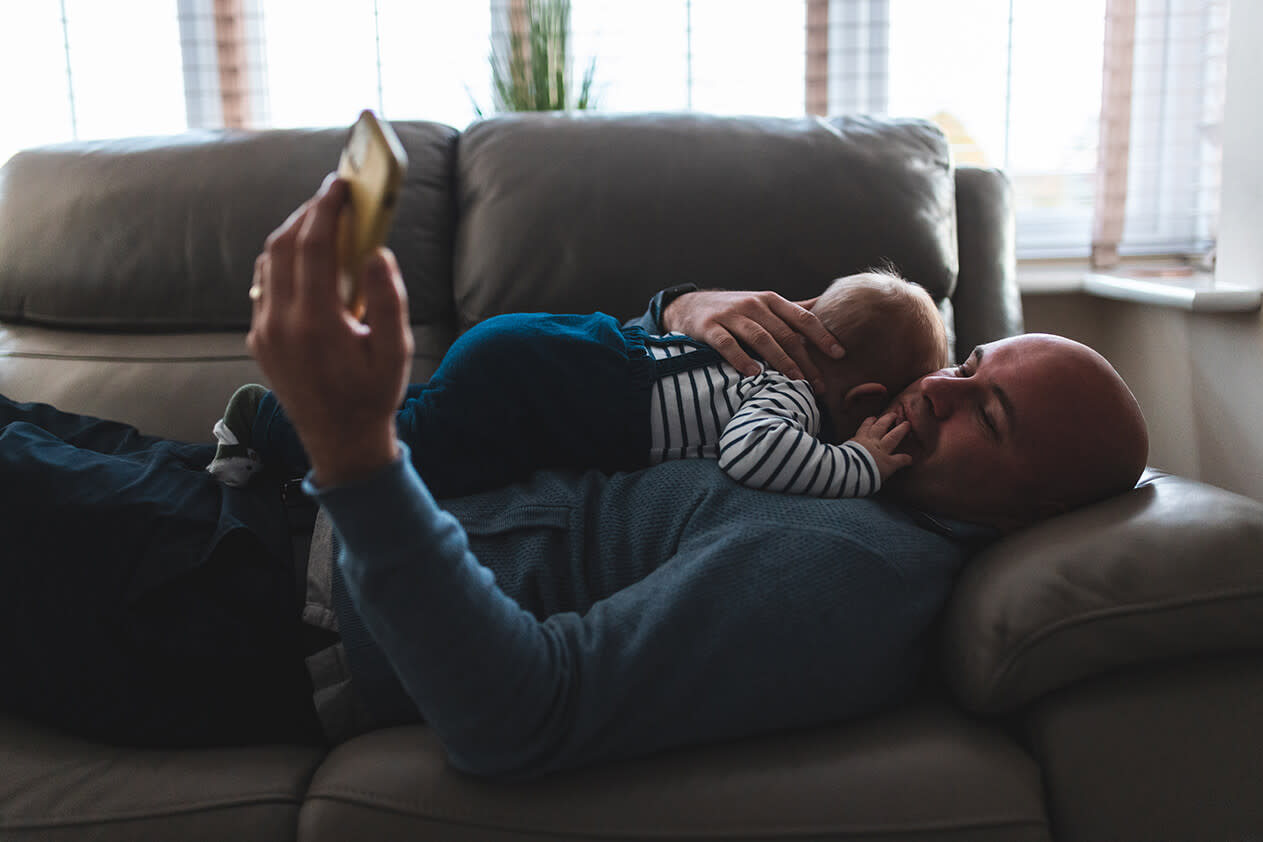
1177	287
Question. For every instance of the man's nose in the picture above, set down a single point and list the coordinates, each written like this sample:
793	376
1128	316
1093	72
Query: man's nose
943	393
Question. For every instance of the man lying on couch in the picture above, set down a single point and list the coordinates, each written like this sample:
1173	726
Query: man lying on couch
541	626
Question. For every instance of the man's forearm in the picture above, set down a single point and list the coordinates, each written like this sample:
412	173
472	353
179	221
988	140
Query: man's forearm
474	663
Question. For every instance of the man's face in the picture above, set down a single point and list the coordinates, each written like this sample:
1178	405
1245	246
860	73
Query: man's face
982	431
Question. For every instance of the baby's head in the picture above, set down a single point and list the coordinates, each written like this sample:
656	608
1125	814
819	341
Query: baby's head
892	333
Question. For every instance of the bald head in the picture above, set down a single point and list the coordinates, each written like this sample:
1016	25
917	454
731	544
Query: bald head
1027	427
1090	441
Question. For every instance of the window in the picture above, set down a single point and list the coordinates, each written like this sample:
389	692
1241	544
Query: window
1015	84
409	59
84	69
1018	89
714	56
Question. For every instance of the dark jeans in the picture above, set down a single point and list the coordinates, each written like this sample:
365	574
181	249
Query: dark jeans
141	601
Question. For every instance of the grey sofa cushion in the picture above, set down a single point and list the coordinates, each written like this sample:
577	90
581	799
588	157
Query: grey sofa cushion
578	213
987	302
924	772
54	787
165	230
1172	568
1169	751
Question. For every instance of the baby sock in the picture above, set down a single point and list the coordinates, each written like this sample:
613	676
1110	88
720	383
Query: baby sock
235	460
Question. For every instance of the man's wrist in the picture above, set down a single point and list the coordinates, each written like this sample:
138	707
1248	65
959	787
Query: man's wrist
352	461
668	297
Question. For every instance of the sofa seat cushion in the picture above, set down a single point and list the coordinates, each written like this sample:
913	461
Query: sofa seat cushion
1170	750
186	377
55	787
584	212
921	772
1172	568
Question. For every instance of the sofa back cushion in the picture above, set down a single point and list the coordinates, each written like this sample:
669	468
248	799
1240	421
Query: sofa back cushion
160	234
577	213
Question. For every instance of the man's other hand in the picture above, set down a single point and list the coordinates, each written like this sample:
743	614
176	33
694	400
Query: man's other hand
339	379
777	329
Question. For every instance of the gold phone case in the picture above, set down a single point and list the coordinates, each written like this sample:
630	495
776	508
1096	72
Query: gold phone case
373	162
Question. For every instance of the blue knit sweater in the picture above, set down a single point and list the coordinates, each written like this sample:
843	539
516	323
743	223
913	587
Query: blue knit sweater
576	618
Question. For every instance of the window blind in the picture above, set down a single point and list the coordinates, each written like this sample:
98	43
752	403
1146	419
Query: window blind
1173	171
1114	135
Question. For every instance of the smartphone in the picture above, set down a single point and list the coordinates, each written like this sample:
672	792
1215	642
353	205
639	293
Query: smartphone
373	162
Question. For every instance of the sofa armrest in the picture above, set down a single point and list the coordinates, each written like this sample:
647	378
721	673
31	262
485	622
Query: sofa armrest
1172	568
986	301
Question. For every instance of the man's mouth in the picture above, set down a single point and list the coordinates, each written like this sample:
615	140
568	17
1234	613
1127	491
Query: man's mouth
911	444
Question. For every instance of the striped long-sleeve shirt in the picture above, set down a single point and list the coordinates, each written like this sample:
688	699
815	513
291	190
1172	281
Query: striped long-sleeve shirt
763	429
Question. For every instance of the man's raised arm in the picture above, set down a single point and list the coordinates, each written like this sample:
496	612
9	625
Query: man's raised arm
339	380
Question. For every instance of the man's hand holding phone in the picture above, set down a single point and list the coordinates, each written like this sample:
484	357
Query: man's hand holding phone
339	374
372	163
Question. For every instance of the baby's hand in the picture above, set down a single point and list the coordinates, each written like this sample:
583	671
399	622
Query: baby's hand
880	437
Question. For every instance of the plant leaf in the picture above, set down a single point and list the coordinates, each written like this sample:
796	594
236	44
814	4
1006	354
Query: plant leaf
535	75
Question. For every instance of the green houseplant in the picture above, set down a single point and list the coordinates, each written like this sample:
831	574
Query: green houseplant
530	70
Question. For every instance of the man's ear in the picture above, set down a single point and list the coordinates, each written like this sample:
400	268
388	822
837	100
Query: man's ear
864	400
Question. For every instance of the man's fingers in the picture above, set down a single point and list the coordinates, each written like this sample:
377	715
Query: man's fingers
722	340
792	328
257	286
295	220
807	324
291	224
778	330
256	303
315	259
276	275
759	335
386	304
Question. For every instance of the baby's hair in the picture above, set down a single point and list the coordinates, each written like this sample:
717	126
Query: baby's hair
888	325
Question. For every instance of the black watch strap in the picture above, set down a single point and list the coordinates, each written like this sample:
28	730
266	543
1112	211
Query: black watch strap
665	297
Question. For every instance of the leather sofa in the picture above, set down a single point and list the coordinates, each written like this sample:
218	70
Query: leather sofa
1097	677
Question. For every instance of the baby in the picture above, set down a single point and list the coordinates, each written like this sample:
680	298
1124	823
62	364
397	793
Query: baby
521	392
